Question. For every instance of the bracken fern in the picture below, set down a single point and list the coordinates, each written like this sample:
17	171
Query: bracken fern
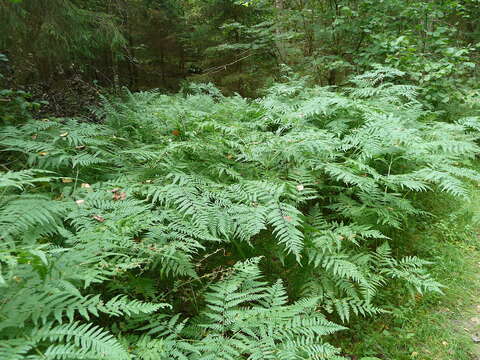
146	237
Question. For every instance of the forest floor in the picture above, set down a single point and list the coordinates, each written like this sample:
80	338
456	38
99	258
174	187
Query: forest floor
469	319
433	327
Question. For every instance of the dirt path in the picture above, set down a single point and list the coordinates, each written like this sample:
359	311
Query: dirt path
470	320
470	324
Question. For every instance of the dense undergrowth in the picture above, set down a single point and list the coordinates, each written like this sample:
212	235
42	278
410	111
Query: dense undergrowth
198	226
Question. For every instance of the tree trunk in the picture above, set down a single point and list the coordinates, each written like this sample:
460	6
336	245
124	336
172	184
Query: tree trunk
279	5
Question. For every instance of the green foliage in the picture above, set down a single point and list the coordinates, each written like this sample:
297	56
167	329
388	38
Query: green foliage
146	237
52	23
16	107
432	325
245	317
239	45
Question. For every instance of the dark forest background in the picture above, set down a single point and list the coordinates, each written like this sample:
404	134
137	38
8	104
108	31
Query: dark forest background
66	50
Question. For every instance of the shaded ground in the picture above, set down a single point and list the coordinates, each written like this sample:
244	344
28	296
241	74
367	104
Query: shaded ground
432	327
469	323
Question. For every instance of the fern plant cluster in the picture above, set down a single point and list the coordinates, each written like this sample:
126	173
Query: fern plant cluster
198	226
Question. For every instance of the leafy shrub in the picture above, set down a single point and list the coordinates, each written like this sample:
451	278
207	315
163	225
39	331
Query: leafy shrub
146	237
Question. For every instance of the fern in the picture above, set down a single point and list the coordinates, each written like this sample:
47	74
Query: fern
83	340
141	237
